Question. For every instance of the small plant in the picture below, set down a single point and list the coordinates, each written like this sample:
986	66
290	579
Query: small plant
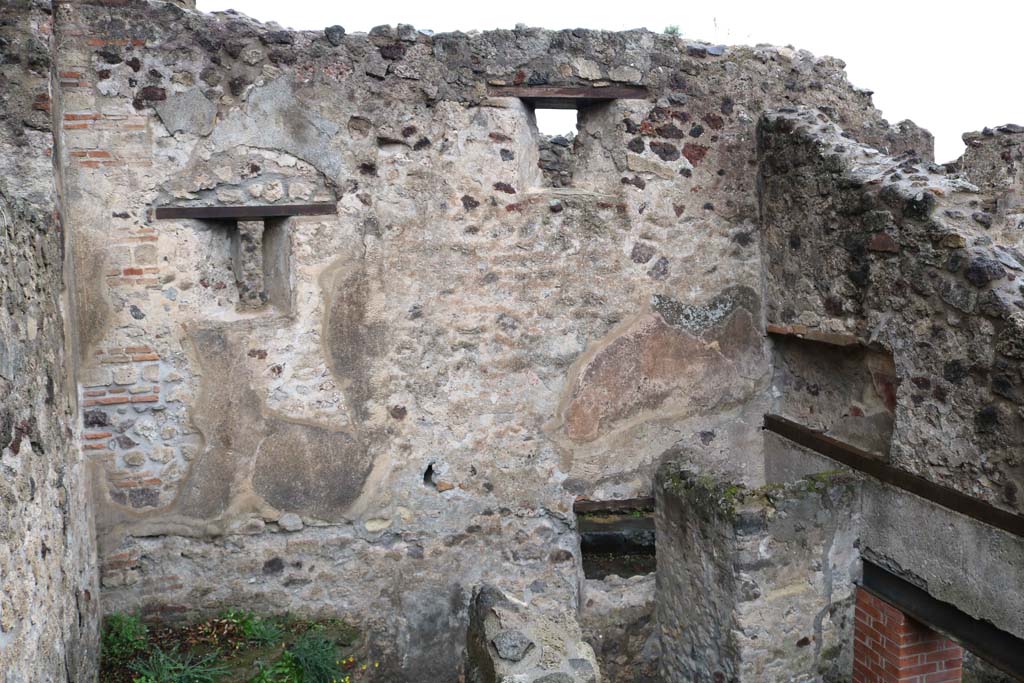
124	635
283	670
175	667
263	632
253	628
314	657
239	618
672	30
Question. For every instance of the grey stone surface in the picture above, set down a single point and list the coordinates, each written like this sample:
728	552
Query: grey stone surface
962	364
557	677
189	111
335	35
784	461
958	560
619	621
512	645
290	521
956	381
49	597
510	640
756	585
247	263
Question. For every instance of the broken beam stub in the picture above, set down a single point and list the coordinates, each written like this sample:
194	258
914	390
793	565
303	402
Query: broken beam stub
567	97
236	213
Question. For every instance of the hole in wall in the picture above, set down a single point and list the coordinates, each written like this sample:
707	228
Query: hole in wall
557	135
554	122
616	537
428	476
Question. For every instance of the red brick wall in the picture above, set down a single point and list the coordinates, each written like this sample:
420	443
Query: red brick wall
890	647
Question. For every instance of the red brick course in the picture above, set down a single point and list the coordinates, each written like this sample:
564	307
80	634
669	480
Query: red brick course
890	647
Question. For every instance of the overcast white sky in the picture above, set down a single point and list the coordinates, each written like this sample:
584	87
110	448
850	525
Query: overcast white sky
949	66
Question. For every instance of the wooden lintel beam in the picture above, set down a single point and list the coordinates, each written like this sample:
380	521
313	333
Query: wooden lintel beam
567	97
871	465
246	212
617	505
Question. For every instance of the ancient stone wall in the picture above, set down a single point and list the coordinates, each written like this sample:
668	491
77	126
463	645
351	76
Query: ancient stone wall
49	597
881	263
619	621
507	641
892	253
373	409
994	161
331	414
774	569
384	403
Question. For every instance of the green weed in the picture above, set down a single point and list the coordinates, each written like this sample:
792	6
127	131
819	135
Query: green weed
253	628
124	635
315	657
174	667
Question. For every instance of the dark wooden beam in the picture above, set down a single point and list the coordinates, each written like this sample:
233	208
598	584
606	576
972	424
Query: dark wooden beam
617	505
231	213
869	464
992	644
566	96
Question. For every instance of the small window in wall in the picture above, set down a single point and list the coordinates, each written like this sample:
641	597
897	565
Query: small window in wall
616	537
260	246
557	128
260	251
556	122
556	109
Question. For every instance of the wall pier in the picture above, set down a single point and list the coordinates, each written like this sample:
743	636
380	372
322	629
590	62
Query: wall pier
891	647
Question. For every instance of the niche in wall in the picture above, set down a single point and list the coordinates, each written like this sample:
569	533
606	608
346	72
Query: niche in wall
848	392
260	246
616	537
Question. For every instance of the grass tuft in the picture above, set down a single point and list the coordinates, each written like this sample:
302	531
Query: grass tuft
237	646
171	666
315	657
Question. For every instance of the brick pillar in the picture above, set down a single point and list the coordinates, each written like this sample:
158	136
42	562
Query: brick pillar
890	647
